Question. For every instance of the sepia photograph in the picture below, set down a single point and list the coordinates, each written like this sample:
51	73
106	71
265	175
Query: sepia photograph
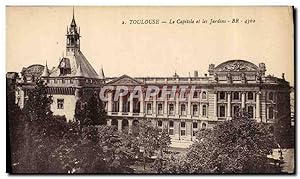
150	90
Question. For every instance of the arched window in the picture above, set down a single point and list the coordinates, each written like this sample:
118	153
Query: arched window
203	125
204	95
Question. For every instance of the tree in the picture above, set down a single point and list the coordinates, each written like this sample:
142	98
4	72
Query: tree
15	125
240	145
41	131
90	113
92	149
146	141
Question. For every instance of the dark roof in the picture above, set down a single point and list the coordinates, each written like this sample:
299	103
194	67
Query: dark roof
86	68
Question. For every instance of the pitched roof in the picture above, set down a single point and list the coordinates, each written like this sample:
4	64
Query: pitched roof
86	68
124	80
46	71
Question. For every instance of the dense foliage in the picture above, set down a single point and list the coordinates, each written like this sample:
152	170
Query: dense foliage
91	112
44	143
240	145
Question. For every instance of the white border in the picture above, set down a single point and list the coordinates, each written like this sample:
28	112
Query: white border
4	3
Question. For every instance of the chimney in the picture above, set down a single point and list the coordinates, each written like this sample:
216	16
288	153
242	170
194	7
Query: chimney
195	73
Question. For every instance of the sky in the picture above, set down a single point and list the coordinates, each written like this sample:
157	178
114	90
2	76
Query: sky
35	35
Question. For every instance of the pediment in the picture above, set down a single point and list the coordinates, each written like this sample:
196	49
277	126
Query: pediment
124	80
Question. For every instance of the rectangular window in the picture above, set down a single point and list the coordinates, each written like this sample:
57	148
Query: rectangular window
271	96
149	109
195	95
236	96
204	110
160	108
171	123
171	108
159	123
236	109
182	124
194	133
182	132
222	95
271	112
182	109
222	111
195	110
250	96
195	125
60	103
250	111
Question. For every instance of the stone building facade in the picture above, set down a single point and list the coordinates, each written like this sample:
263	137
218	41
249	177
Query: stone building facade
217	96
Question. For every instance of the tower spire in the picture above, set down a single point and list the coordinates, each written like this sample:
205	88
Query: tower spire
46	71
73	41
73	23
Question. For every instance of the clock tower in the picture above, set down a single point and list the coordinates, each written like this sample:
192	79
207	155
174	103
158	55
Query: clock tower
73	38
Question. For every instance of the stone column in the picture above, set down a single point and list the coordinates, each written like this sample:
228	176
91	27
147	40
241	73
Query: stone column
109	103
229	105
177	104
215	104
130	126
257	107
108	122
243	100
154	105
189	106
120	104
120	125
131	103
201	110
189	130
177	129
166	105
142	103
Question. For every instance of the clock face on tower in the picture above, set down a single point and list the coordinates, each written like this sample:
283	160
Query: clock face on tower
62	64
